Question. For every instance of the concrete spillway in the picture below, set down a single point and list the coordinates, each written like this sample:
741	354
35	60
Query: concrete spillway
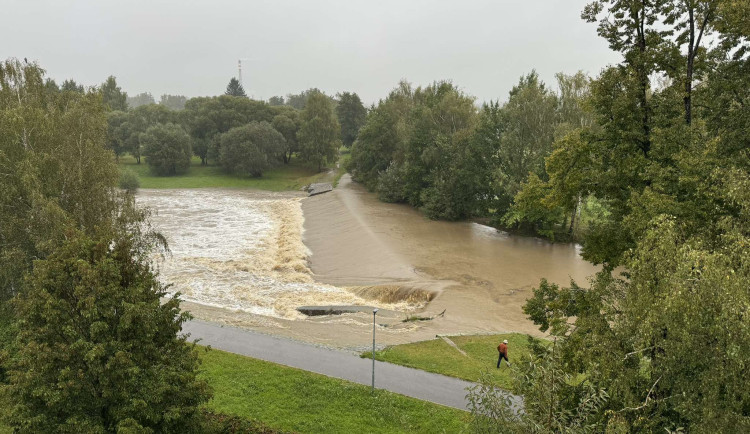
319	188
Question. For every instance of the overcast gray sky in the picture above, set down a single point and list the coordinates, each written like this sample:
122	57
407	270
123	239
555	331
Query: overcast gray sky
191	47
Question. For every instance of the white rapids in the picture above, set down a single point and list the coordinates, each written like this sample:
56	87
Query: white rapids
241	250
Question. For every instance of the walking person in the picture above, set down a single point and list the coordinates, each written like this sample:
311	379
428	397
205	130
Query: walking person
503	350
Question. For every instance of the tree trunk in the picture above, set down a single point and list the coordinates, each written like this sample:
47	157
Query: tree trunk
573	218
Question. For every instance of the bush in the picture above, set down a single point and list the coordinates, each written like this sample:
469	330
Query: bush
167	149
129	181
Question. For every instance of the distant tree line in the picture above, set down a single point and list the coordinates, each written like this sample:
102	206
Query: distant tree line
433	148
245	137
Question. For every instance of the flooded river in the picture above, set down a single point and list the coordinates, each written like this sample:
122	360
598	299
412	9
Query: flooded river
250	258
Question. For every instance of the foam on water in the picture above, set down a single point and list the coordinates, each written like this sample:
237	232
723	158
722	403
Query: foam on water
243	250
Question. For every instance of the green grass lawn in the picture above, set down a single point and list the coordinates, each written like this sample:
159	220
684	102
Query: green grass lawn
292	176
290	399
439	357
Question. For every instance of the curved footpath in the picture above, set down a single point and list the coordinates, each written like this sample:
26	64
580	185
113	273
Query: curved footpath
415	383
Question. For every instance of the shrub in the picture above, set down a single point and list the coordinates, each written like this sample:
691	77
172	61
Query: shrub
129	181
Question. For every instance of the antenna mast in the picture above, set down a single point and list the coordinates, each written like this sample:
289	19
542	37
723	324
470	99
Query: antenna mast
239	67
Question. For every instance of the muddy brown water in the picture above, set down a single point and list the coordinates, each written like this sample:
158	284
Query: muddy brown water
249	258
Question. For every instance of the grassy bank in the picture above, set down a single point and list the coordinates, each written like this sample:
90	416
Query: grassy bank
292	176
291	399
439	357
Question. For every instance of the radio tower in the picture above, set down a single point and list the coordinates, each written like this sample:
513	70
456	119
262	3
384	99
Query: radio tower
239	67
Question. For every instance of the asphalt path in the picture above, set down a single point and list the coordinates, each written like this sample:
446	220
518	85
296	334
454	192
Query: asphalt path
418	384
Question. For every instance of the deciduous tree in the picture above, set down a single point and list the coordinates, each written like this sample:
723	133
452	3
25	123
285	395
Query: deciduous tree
167	149
113	96
319	135
351	115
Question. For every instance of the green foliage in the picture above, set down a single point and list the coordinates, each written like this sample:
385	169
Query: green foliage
97	349
276	101
234	88
113	96
351	115
409	152
299	100
288	124
530	119
173	102
129	181
530	209
86	344
207	118
553	402
167	149
251	149
70	85
56	170
320	131
125	129
143	98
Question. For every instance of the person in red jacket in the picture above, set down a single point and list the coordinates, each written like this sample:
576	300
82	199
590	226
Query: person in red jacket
503	350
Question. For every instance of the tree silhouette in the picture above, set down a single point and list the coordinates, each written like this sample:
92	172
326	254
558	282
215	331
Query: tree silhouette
234	88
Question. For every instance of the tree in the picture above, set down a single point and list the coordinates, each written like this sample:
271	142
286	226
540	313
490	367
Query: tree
351	115
207	118
140	99
125	128
174	102
288	125
70	85
56	168
52	86
113	96
98	350
234	88
91	347
167	149
319	135
276	101
116	140
530	118
250	149
379	139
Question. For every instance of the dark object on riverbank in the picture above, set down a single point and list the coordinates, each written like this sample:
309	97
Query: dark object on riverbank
319	188
332	310
423	318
